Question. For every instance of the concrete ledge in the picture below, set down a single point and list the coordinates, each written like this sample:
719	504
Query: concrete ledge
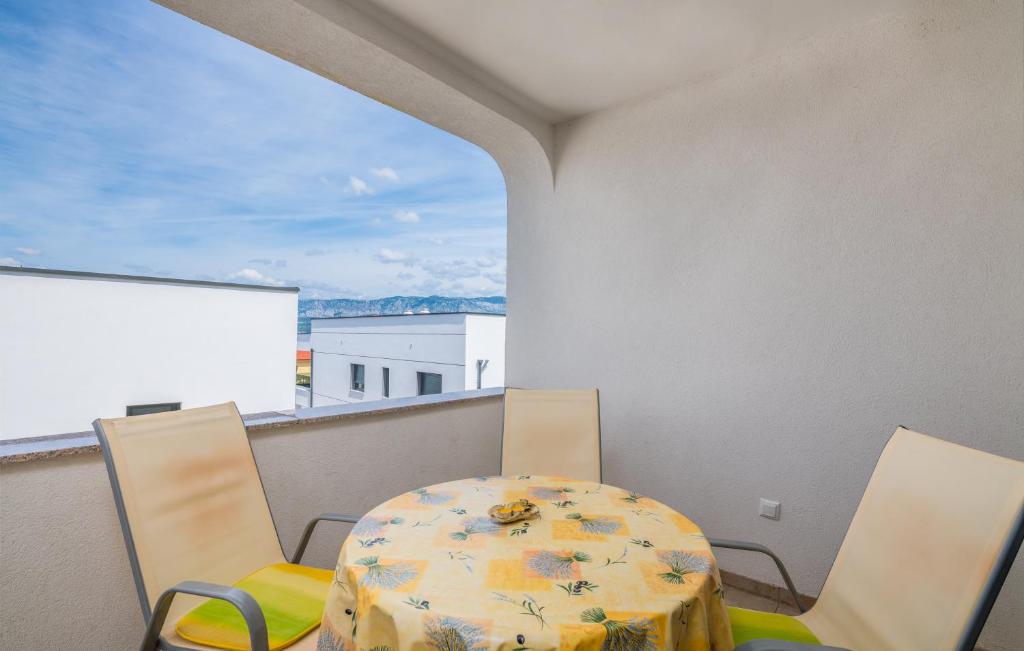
158	280
39	448
315	415
47	447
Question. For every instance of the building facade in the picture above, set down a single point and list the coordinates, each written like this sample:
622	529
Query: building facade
78	346
356	359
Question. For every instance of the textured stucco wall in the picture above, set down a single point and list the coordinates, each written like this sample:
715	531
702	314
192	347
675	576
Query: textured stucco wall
63	566
765	273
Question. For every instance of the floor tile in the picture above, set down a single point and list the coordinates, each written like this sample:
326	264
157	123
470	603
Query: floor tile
741	599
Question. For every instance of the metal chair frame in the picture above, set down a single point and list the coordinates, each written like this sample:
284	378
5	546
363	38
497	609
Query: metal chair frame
971	632
240	599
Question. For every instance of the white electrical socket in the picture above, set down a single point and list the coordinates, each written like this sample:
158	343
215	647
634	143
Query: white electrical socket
770	509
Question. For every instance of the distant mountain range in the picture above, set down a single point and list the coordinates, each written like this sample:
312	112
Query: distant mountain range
310	308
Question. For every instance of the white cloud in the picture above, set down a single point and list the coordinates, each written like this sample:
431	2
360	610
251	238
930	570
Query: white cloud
266	262
496	278
315	252
275	194
315	289
429	286
24	250
9	262
405	275
485	261
390	256
406	217
256	277
450	269
436	241
358	186
384	173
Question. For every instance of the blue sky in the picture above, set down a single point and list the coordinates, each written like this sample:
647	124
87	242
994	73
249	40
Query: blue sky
134	140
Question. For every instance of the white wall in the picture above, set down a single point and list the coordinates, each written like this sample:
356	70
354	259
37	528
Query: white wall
766	273
485	339
75	349
406	344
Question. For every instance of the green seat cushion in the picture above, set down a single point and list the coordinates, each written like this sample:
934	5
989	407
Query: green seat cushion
753	625
291	597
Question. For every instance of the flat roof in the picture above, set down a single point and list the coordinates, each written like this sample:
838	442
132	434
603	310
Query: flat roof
380	316
92	275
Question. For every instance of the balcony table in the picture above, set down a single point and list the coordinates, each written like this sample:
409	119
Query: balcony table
601	568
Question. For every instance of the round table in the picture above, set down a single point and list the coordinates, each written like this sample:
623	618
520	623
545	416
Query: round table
601	568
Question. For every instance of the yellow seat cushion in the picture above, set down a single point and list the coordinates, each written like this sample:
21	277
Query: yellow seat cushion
754	625
291	597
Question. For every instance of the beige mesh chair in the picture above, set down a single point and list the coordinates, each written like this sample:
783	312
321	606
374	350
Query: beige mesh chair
194	516
552	433
928	549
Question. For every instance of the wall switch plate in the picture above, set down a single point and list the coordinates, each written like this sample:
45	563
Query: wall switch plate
770	509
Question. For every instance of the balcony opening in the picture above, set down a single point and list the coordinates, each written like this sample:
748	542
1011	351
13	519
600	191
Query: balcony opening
177	193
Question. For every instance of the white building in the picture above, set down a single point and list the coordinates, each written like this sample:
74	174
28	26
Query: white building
76	346
376	357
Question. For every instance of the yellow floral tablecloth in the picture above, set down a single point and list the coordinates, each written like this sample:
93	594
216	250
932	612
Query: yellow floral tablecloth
601	569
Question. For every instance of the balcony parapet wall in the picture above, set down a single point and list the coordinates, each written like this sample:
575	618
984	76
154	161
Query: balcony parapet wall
67	581
60	445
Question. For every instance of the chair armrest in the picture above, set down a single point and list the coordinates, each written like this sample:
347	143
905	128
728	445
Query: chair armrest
782	645
331	517
240	599
754	547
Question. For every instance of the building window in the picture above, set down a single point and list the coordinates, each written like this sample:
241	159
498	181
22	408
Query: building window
386	383
156	408
358	377
428	383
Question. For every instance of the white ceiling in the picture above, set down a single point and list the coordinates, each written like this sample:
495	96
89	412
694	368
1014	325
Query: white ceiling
564	58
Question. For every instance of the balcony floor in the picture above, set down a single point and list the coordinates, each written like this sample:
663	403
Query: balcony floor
742	599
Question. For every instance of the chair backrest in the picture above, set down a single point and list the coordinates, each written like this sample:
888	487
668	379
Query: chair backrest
928	548
190	499
552	433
